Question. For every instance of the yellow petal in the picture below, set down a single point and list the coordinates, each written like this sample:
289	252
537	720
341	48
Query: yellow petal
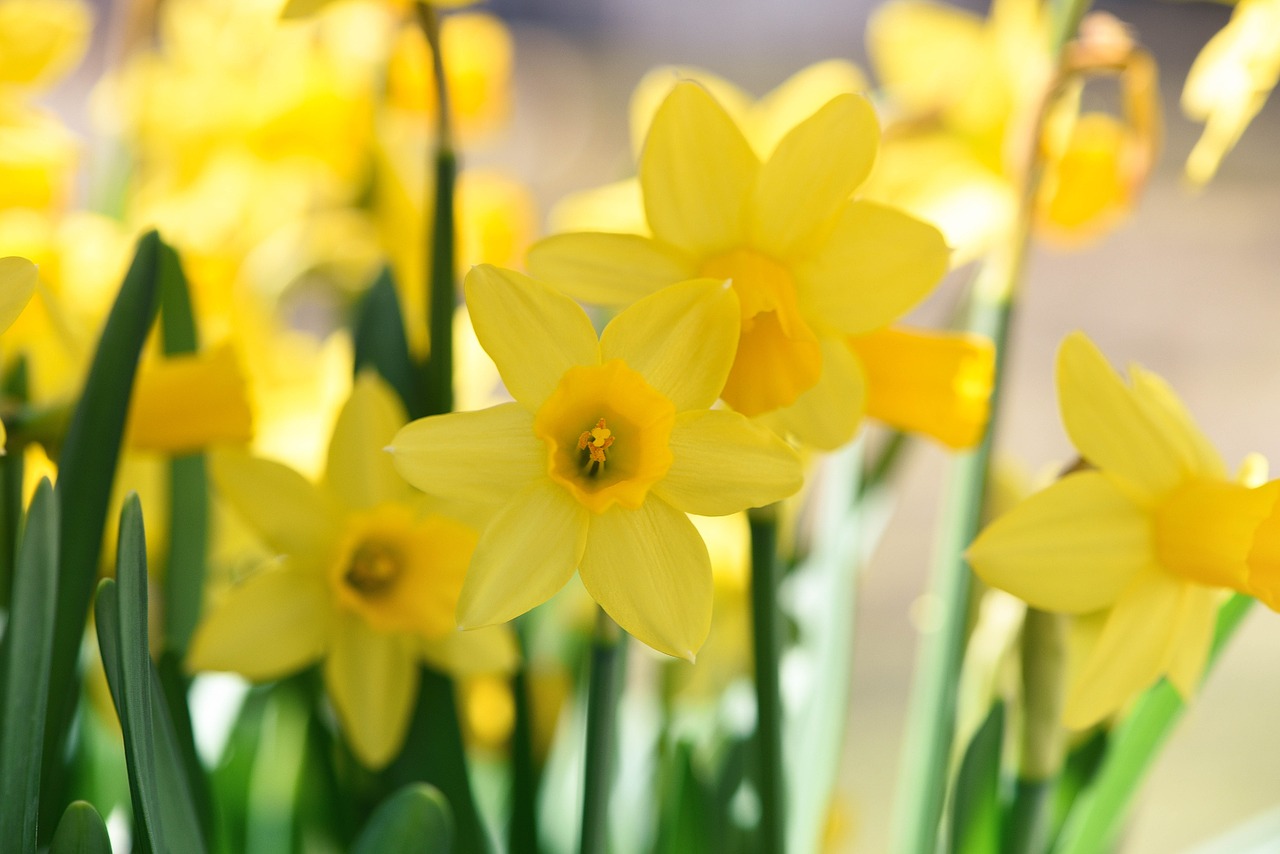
935	383
698	174
1132	651
480	457
183	403
275	622
1164	407
372	679
797	98
17	283
360	473
876	265
526	554
725	463
682	340
827	415
607	269
532	333
1190	653
1071	548
657	84
925	52
1111	428
291	514
813	171
477	652
41	40
616	208
649	570
1207	531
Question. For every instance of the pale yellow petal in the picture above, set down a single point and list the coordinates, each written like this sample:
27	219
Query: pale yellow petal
480	457
876	266
649	570
608	269
657	84
698	174
799	96
42	40
1110	427
291	514
682	340
275	622
476	652
1071	548
827	415
526	554
372	679
724	463
1163	406
1190	653
1131	652
17	283
813	171
616	208
532	333
360	472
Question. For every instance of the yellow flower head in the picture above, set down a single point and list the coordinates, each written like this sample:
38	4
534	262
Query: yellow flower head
41	40
1146	538
608	444
809	266
363	580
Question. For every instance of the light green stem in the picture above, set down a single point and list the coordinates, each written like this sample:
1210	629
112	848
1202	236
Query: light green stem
602	713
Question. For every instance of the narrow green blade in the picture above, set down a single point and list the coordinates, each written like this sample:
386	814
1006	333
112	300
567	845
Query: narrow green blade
28	648
380	343
976	812
416	818
81	831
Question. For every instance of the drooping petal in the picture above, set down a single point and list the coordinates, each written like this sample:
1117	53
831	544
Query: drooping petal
607	269
724	463
292	515
17	283
372	679
649	570
827	415
526	554
935	383
183	403
1163	406
1071	548
479	457
697	172
1191	648
682	340
812	172
274	623
876	265
473	653
532	333
1110	427
360	472
1131	652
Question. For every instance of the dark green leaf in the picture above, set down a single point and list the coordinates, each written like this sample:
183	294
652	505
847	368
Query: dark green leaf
976	813
443	297
81	831
416	818
380	343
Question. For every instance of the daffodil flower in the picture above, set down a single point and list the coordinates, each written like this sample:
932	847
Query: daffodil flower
608	445
1143	542
809	266
363	581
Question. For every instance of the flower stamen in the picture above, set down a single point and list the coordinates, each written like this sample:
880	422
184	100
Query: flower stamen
373	570
594	442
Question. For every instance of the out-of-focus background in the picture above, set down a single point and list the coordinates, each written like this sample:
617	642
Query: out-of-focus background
1190	288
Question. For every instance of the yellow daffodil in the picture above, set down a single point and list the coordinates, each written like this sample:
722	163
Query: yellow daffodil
1140	544
810	267
363	581
1230	81
41	40
608	444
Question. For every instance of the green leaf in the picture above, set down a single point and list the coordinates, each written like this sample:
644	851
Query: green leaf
380	343
416	818
443	298
976	812
28	649
81	831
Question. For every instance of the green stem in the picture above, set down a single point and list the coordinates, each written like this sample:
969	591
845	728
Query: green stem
1095	819
886	461
523	835
602	712
767	640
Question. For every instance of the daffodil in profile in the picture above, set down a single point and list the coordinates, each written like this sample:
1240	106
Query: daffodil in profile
364	579
608	444
1140	542
810	266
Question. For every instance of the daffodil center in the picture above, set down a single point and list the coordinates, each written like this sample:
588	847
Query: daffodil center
374	568
607	434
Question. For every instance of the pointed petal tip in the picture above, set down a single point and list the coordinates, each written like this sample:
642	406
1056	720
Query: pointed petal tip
690	656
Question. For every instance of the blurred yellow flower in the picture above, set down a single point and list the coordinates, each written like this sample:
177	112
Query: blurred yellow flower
1145	539
364	581
607	445
1230	81
41	40
183	403
17	282
810	267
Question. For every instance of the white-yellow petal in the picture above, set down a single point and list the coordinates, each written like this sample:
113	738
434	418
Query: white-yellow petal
477	652
1190	652
360	472
480	457
1071	548
828	415
608	269
527	553
1163	407
649	570
724	463
798	97
17	283
532	333
372	679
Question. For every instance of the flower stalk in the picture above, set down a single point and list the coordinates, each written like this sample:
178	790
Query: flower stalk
603	689
767	642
